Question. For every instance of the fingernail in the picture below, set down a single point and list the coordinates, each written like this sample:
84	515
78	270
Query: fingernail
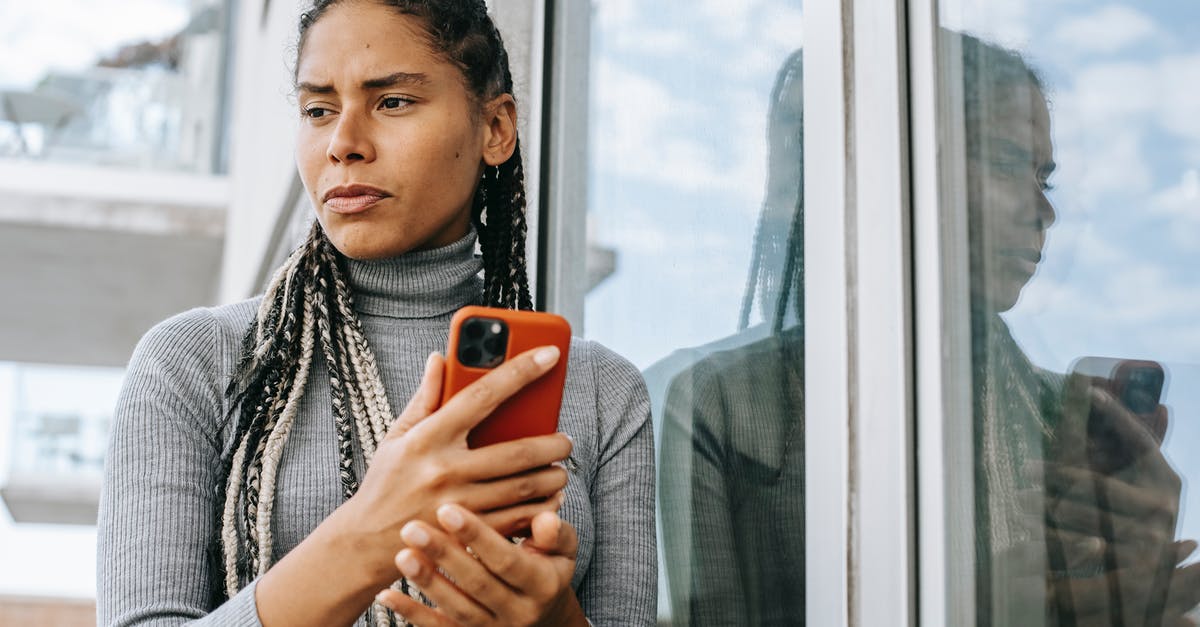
414	535
429	362
382	599
409	564
546	356
450	517
562	498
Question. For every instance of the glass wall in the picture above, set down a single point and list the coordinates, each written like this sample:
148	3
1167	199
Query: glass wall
1073	153
94	86
695	257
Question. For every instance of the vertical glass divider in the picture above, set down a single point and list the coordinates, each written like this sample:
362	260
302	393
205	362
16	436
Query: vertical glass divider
945	475
859	354
826	345
882	376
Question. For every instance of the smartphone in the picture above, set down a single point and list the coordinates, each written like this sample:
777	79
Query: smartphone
482	338
1138	385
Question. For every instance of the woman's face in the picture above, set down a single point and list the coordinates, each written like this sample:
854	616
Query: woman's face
391	145
1009	194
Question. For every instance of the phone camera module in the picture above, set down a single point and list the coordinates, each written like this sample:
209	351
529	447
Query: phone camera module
483	343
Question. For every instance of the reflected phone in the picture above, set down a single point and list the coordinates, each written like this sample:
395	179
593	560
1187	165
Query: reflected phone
482	338
1138	384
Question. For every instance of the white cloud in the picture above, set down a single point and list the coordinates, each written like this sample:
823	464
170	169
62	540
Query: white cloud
647	132
1110	29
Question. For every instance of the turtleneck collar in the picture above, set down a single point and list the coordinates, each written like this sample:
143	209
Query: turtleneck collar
423	284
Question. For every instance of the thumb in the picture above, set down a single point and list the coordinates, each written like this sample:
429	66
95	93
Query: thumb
424	402
552	535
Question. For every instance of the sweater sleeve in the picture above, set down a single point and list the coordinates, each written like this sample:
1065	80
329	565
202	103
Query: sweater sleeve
621	585
158	503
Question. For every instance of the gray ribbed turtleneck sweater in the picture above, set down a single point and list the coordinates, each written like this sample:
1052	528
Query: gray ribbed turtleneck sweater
158	508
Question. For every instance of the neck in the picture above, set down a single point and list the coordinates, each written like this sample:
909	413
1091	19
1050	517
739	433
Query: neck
420	284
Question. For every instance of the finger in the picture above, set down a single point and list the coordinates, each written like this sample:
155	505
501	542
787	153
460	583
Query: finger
514	457
1184	549
1183	593
501	557
469	576
413	611
1071	437
1079	484
534	485
553	535
479	399
424	402
516	520
421	570
1088	519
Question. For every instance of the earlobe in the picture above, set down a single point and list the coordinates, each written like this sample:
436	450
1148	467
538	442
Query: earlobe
500	129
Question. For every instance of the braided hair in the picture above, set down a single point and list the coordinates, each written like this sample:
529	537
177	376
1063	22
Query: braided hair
308	306
777	259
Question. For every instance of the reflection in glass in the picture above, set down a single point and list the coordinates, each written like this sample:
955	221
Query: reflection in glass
1076	504
695	109
143	93
732	459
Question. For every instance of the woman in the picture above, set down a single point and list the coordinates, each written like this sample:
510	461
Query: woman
256	474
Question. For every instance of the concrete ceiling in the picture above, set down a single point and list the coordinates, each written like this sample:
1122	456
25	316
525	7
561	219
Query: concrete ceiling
84	296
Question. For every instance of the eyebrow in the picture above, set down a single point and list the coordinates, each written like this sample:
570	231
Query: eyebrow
391	80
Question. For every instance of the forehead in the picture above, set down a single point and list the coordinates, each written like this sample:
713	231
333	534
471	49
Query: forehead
1020	114
358	39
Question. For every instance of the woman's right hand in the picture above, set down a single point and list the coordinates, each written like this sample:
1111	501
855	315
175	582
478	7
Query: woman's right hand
424	461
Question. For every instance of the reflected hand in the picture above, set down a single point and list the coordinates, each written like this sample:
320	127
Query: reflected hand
494	582
1109	529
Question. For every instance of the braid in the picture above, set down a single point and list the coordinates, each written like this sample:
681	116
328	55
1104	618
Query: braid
499	217
308	304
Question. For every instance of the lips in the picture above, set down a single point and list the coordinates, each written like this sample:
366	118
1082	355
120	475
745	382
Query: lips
347	199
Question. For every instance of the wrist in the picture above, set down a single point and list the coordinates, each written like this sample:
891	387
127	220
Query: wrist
372	547
574	612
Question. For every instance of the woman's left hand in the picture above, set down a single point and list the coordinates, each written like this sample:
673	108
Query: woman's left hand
497	582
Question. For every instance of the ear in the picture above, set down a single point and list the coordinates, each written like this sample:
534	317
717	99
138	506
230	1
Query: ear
499	129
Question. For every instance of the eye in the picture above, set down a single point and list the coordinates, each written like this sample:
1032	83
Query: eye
316	112
394	103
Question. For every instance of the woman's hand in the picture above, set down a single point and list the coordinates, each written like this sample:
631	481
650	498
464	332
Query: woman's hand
494	582
424	461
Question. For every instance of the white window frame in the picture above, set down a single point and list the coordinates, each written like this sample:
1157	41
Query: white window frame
861	355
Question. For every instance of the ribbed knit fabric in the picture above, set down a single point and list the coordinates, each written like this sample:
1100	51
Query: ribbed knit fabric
158	505
733	486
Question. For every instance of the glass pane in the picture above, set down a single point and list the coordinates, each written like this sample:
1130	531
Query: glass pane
1074	162
95	86
695	259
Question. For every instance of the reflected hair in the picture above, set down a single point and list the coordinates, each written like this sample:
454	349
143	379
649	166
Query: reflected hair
308	308
777	257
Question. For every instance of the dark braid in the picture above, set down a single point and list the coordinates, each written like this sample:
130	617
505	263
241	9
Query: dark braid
308	307
777	260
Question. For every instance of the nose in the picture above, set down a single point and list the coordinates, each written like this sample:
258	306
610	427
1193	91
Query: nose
1046	214
351	140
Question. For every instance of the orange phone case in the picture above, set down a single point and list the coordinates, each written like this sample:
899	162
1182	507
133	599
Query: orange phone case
534	409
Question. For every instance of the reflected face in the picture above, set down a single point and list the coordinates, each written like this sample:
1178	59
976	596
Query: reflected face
390	141
1008	193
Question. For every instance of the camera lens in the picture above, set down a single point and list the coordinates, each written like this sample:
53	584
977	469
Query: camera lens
474	329
470	355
